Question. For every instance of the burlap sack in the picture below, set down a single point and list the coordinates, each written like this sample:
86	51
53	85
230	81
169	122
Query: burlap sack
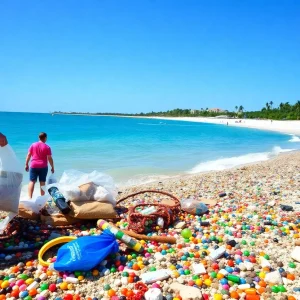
88	190
58	220
92	210
27	214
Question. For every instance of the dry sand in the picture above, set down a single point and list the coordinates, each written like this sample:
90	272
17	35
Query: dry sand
288	127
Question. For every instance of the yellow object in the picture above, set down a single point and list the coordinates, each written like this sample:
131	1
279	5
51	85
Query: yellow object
29	281
63	286
47	246
5	284
207	282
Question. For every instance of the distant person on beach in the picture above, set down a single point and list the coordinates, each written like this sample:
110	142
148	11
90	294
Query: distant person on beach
3	140
39	154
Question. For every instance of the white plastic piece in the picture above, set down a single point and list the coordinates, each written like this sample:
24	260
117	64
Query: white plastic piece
244	286
153	294
217	253
198	269
71	280
33	285
296	254
151	277
273	277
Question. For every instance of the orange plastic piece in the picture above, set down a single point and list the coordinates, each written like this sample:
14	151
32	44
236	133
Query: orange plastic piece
261	290
250	291
290	276
262	283
252	297
234	295
111	293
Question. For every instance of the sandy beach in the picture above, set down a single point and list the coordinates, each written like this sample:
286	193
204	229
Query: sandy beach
254	190
288	127
247	216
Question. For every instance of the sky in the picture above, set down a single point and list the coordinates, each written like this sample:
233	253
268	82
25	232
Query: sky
133	56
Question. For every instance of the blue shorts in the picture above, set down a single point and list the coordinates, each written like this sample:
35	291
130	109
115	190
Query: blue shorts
38	173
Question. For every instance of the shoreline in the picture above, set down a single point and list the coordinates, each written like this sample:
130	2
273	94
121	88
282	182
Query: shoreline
186	176
284	126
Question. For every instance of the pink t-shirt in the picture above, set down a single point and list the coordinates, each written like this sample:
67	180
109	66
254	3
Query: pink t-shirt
39	152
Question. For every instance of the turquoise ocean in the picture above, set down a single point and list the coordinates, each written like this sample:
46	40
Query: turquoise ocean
138	150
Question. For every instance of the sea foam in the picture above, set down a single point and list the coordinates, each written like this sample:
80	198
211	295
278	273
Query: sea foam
231	162
294	139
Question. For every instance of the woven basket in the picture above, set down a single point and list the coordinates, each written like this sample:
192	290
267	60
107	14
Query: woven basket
139	223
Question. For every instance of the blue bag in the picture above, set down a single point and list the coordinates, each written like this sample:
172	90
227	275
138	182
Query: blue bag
85	253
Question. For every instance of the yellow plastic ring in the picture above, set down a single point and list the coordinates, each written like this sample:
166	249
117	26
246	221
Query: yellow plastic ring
50	244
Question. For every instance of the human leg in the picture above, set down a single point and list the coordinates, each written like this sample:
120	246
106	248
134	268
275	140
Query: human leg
42	178
41	185
32	181
30	188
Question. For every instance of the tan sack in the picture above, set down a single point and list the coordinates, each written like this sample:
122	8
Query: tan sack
58	220
27	214
92	210
88	190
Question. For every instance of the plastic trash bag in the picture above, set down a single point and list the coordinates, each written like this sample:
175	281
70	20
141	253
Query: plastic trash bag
10	184
85	253
51	179
36	204
94	186
102	195
71	193
77	178
193	206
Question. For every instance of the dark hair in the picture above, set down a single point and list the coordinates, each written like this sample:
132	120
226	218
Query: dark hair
43	136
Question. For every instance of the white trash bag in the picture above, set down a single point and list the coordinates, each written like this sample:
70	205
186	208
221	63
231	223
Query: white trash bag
10	184
77	178
36	203
79	186
51	179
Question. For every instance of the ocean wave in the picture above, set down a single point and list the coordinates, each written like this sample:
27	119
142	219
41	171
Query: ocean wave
141	179
231	162
294	139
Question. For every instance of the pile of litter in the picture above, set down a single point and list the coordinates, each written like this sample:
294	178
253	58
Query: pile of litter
245	244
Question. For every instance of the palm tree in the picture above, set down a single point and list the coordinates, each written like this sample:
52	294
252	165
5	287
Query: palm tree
271	103
236	107
281	105
241	108
297	107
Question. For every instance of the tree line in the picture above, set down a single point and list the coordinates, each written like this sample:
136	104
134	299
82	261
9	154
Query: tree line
284	111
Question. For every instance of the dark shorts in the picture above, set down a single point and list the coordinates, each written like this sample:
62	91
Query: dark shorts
38	173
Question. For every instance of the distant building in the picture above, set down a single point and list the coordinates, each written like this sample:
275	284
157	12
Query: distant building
217	110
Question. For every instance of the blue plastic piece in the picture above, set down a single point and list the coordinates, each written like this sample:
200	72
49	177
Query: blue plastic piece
85	253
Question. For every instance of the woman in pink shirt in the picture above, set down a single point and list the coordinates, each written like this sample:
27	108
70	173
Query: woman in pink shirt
39	154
